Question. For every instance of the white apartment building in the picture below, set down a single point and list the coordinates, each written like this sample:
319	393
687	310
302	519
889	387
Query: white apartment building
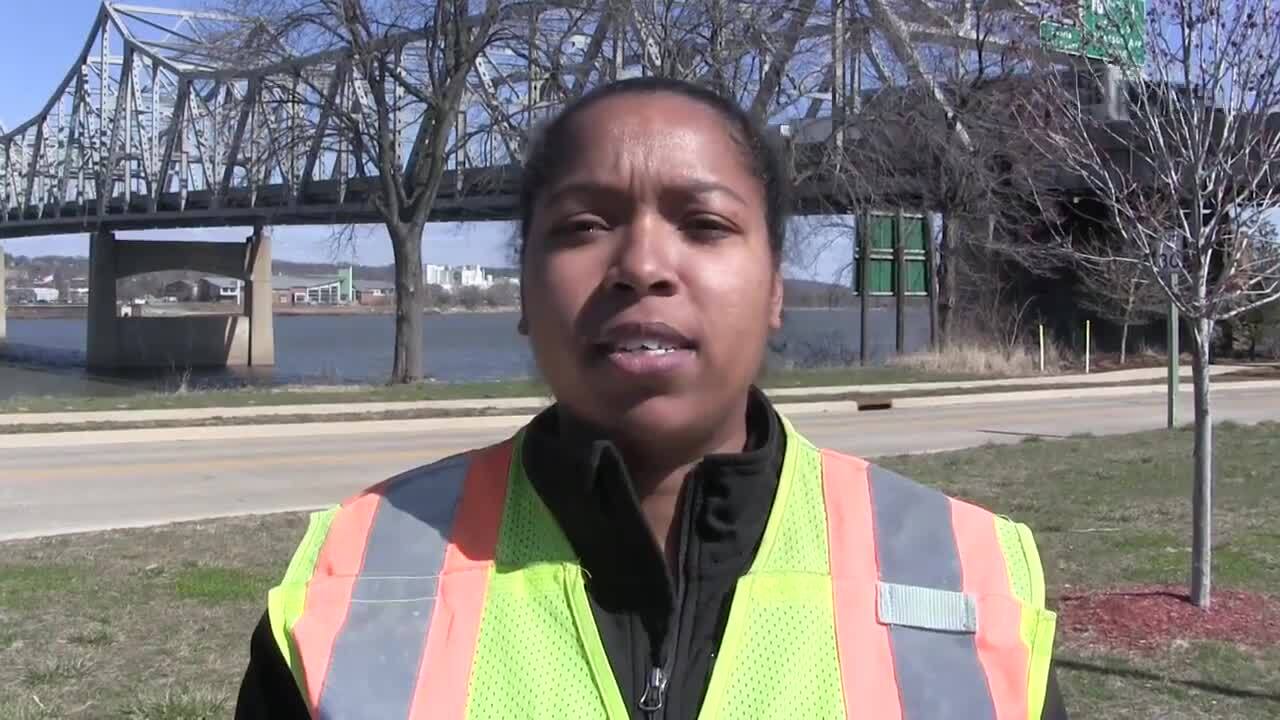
458	276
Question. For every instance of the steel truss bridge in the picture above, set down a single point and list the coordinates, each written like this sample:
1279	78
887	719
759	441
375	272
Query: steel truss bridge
157	124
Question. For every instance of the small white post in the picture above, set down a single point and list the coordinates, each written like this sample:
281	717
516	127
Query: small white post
1087	327
1042	348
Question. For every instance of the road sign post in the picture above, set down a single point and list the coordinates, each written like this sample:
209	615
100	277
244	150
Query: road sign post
1170	262
1173	363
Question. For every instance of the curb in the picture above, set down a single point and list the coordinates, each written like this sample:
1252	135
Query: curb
514	421
521	404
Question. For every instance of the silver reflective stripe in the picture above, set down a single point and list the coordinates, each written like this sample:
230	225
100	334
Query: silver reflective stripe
374	668
926	608
939	674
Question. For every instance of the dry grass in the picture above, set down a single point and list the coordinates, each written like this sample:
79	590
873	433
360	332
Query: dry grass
154	624
983	360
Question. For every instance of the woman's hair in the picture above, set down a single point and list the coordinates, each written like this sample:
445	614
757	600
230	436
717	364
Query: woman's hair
553	148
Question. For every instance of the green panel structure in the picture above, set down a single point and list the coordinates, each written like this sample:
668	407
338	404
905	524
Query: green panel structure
1113	31
917	277
881	227
915	238
881	276
913	234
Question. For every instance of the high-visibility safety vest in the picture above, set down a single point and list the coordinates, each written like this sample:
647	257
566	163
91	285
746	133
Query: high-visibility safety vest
451	592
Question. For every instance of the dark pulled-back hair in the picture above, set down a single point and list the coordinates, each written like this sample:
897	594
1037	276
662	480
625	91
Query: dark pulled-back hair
552	150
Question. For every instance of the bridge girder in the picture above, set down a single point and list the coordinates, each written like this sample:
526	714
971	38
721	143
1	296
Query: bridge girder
154	125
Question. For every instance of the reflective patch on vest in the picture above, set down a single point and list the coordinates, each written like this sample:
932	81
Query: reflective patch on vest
376	655
939	674
926	608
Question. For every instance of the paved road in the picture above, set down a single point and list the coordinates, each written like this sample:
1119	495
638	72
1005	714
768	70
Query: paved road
72	482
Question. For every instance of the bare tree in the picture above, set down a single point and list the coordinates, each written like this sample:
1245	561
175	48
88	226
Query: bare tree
1124	291
764	54
1178	161
379	86
939	136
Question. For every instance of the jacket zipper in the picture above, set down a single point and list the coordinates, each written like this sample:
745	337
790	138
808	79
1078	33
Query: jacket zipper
653	700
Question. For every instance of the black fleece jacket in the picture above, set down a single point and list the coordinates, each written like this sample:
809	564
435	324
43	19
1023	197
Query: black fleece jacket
646	616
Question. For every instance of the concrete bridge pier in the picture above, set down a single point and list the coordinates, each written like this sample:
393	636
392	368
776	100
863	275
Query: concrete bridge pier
103	315
246	338
4	305
259	304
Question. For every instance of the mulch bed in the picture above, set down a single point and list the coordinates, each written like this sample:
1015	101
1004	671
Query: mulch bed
1152	617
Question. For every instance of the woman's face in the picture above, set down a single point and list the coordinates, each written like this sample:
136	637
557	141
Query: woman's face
649	285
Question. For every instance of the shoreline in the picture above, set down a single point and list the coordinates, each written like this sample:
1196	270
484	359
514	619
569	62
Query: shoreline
80	312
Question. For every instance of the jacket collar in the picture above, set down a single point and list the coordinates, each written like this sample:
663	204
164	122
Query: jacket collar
583	481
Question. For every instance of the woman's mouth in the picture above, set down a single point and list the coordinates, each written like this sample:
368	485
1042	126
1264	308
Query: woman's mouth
646	349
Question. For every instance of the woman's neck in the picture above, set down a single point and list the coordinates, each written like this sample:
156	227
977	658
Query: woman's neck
658	469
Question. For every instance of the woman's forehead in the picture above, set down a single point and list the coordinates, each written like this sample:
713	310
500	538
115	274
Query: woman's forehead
654	135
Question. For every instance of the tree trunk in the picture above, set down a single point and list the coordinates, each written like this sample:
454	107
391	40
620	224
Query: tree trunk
931	270
1128	317
947	283
1202	492
406	242
1227	342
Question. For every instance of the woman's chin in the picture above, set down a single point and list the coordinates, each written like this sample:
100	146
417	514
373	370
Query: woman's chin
665	420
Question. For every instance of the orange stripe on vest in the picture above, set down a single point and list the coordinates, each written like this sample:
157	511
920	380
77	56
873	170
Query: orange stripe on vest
1003	655
866	659
444	674
329	592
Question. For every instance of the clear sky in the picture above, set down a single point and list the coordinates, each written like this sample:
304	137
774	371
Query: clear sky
41	40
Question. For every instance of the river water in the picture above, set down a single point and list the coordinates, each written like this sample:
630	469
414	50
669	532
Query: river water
46	357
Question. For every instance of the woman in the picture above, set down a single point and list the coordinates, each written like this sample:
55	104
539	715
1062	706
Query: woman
660	543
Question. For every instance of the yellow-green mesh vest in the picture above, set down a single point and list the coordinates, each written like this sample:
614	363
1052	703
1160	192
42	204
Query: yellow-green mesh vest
539	654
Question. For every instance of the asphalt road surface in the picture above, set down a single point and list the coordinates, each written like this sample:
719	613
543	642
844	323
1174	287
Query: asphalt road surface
72	482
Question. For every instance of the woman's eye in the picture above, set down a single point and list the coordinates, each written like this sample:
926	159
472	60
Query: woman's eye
580	227
705	227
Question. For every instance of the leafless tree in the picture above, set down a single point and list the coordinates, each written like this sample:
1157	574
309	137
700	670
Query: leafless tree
1181	167
763	54
939	136
379	86
1124	291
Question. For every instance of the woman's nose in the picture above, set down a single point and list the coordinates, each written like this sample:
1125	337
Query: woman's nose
645	260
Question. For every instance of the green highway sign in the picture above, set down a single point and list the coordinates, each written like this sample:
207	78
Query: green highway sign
1108	30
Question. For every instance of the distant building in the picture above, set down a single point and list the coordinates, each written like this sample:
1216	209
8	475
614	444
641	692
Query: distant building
215	288
295	290
32	295
374	292
180	291
454	277
342	289
77	291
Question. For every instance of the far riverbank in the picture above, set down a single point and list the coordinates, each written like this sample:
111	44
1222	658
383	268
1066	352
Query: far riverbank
80	312
72	312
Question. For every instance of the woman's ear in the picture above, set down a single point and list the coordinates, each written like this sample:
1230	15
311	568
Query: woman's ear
776	301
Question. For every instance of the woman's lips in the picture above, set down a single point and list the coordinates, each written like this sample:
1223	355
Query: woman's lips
646	349
651	363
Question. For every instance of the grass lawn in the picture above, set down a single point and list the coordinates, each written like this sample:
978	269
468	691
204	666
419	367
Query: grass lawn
153	624
357	414
422	391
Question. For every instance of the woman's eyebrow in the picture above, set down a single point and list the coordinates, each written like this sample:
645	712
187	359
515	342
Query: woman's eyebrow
582	188
597	188
708	187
